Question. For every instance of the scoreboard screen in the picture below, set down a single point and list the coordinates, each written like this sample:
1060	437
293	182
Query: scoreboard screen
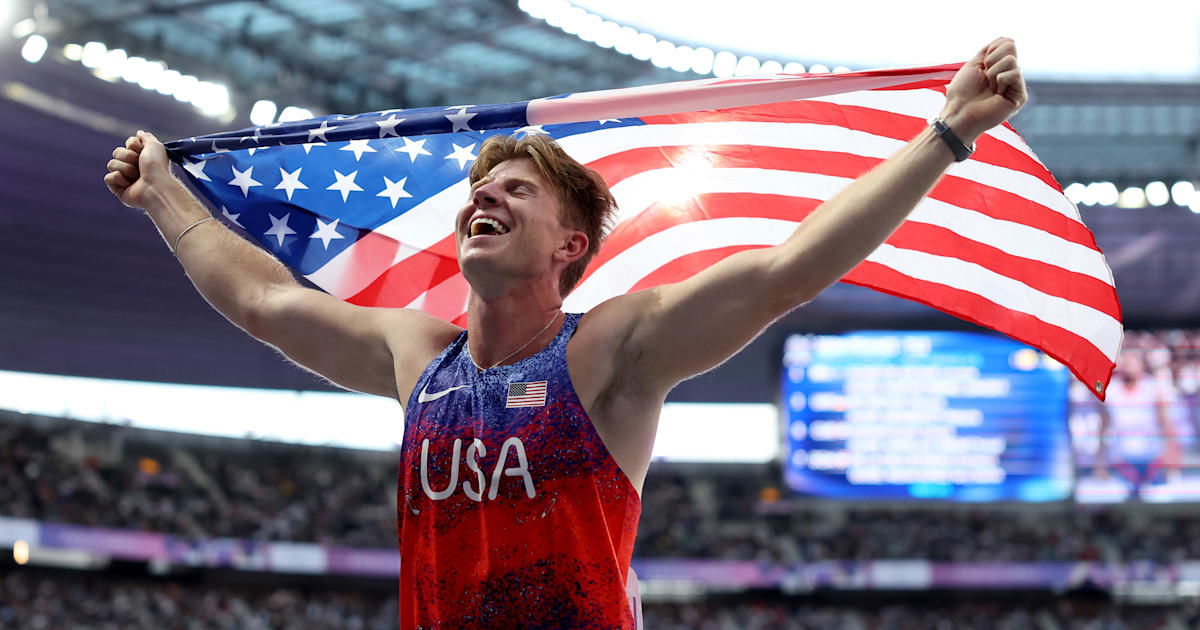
952	416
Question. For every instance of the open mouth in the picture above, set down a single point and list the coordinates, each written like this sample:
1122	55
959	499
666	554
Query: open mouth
484	226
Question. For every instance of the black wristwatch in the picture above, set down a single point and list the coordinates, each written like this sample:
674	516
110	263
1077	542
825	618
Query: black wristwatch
961	151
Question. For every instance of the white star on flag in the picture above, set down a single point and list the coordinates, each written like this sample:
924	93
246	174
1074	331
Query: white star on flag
309	145
319	132
388	127
290	182
460	120
196	169
217	149
251	150
326	232
393	190
413	149
358	147
607	120
232	217
532	130
345	184
462	154
279	228
242	180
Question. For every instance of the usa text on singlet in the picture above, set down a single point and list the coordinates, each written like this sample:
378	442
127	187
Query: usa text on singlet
511	511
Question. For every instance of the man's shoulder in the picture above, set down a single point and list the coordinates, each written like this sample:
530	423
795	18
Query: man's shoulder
611	323
604	349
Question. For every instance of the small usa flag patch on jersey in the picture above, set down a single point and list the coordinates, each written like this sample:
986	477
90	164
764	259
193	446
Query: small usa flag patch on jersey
526	394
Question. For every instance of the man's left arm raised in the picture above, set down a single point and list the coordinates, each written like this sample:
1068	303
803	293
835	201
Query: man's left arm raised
689	327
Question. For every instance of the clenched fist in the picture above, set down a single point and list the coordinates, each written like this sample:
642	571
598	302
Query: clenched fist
136	169
985	91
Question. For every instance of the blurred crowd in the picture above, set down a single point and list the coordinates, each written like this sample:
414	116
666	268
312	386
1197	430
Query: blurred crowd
103	475
125	478
118	477
729	517
973	615
34	601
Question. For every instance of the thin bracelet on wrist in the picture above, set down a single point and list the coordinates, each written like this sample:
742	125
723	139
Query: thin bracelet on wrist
185	231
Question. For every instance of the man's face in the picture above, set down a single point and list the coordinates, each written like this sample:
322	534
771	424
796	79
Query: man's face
510	225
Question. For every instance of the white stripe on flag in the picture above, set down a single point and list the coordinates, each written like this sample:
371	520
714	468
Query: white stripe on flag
704	94
923	104
805	136
626	269
637	193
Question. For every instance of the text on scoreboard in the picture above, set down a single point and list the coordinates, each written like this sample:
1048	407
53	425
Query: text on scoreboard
945	415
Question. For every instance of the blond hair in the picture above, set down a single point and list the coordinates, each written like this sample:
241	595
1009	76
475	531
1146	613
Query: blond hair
587	205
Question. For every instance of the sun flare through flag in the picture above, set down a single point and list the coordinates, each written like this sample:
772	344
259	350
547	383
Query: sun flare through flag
363	206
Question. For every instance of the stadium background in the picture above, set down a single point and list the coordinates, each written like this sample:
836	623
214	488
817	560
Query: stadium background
249	531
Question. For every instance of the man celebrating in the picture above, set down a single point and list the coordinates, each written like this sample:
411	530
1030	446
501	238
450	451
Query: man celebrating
527	436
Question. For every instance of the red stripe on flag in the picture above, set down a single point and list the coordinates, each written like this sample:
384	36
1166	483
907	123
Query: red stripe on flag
1000	204
1085	360
924	237
877	122
689	265
404	281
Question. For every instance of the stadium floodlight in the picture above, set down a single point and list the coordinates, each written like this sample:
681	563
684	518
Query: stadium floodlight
1075	192
606	35
152	72
590	27
113	64
1107	194
535	8
556	12
28	26
291	113
35	46
1132	197
724	64
770	67
1157	194
793	67
746	65
211	99
702	60
664	54
643	46
131	72
74	52
574	20
818	68
168	82
263	112
681	59
93	54
840	69
1182	192
624	40
184	88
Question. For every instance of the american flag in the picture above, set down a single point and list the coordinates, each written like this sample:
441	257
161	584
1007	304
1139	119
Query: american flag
526	394
363	205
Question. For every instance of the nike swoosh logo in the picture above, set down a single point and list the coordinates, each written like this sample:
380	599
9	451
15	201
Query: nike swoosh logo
425	397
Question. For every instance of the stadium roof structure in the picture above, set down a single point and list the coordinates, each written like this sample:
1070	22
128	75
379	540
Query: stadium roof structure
87	288
357	55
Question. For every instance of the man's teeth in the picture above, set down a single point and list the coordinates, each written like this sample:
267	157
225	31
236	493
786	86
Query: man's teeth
484	225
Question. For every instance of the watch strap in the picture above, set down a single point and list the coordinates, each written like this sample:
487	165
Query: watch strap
943	131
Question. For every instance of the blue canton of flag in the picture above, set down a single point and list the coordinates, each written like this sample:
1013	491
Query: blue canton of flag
310	189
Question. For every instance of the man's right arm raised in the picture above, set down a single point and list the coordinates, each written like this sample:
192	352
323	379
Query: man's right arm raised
374	350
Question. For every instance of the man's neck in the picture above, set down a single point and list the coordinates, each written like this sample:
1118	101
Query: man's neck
498	326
